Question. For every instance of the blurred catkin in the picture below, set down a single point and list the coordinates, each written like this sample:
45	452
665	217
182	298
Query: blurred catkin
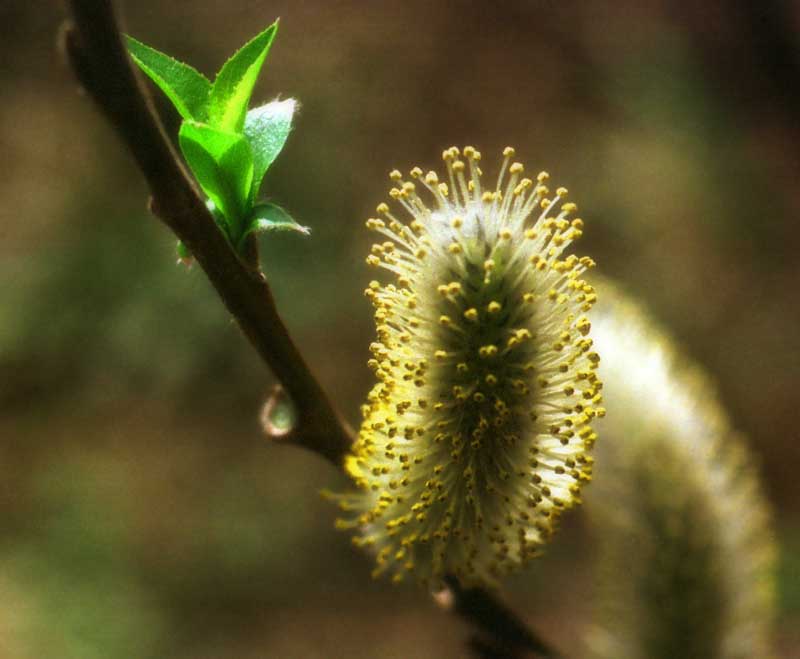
684	546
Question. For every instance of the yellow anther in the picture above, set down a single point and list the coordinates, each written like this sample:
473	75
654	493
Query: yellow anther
471	314
458	166
456	222
431	178
373	260
445	321
487	351
416	172
487	197
561	192
491	380
493	307
516	168
454	288
505	234
454	248
395	175
569	207
542	177
382	208
488	265
440	355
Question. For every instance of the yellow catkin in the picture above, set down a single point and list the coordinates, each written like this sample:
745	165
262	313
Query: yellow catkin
477	434
685	549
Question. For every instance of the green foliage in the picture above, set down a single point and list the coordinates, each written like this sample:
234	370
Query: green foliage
187	88
271	217
223	165
266	129
228	148
234	83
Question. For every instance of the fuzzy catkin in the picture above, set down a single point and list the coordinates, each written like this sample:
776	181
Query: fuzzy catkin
685	549
476	436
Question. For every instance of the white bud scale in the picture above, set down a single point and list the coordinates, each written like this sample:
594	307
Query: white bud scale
476	435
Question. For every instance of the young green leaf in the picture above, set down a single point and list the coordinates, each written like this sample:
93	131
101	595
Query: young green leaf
271	217
187	88
234	84
266	128
223	165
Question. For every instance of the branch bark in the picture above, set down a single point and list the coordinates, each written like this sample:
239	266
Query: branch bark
497	632
96	53
95	50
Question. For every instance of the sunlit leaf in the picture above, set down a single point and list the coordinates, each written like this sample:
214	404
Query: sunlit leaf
266	128
234	84
187	88
271	217
223	165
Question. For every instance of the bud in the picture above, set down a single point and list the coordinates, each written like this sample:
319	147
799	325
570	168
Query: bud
476	436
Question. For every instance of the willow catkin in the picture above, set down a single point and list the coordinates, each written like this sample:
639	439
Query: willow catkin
685	550
476	435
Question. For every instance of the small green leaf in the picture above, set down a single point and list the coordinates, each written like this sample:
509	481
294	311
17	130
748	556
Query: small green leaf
266	128
187	88
185	257
234	84
223	165
271	217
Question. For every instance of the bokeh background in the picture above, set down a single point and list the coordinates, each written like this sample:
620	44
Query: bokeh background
142	514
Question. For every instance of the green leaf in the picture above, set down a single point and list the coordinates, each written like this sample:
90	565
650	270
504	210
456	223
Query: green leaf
271	217
223	165
266	128
187	88
185	256
234	84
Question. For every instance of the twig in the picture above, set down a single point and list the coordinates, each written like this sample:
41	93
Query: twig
498	632
95	50
98	57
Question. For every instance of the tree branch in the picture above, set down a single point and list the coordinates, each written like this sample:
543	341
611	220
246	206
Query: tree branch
498	632
100	61
96	53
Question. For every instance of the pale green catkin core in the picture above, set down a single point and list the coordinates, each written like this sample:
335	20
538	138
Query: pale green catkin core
685	549
475	437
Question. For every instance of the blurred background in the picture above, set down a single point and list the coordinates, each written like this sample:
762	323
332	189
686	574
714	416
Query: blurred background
142	514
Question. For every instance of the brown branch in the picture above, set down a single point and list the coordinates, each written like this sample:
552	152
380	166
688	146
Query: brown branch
97	55
95	50
498	633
